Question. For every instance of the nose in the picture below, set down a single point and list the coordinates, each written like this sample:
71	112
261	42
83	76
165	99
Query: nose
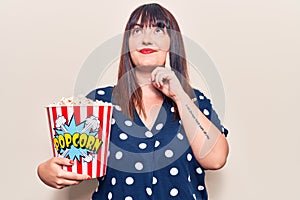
147	39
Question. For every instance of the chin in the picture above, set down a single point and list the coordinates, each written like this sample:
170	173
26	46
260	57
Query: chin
145	68
150	62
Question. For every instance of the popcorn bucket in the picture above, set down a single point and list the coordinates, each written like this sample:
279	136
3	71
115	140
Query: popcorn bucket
81	133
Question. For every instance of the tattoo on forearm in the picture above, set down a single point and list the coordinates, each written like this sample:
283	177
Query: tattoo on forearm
196	120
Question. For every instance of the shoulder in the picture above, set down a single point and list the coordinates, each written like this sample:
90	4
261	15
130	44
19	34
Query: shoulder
200	98
102	93
202	102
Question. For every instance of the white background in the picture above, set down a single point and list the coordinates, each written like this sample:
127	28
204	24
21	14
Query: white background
254	44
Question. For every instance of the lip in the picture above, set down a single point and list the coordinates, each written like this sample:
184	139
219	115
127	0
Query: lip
147	51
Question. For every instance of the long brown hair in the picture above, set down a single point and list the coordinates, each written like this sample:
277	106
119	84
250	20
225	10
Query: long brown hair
127	94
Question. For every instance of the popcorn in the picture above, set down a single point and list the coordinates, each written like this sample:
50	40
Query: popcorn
80	131
79	100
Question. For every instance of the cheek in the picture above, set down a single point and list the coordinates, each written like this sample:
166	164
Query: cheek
133	43
134	57
163	43
162	58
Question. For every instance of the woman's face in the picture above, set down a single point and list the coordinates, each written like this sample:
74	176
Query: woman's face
148	45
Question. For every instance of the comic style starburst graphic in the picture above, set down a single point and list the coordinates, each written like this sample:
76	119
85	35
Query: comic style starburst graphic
89	126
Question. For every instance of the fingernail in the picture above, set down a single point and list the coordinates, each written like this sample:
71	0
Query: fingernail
71	162
88	178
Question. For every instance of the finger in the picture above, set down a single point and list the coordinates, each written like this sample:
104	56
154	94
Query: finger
165	76
70	182
161	78
73	176
61	183
162	75
155	72
167	63
63	161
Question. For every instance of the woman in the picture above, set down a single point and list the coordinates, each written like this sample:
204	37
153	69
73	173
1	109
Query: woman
164	133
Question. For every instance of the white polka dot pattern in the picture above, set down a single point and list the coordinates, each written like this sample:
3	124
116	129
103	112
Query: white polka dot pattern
139	166
113	121
154	180
189	178
149	191
169	153
189	157
168	142
118	108
159	126
174	171
194	196
200	187
199	170
123	136
148	134
174	192
101	92
96	190
109	196
129	180
179	136
128	123
205	112
113	181
157	143
119	155
172	109
142	145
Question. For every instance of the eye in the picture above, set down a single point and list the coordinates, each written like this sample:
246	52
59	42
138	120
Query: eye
159	30
136	31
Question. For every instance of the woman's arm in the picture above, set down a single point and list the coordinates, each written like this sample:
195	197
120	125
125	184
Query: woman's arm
209	145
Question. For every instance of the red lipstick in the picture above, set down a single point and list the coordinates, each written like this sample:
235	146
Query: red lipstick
147	51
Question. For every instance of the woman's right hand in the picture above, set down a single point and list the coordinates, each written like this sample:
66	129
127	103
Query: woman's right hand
52	174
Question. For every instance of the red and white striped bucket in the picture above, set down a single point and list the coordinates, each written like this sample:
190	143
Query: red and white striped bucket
81	133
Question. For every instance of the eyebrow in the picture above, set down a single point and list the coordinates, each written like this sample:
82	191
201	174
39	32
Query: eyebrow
157	24
140	25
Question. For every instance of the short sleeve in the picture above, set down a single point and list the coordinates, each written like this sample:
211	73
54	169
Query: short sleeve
101	94
205	106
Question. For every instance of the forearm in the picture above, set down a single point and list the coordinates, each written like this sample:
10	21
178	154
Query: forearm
207	142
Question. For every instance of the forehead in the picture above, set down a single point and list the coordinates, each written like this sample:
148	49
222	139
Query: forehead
148	18
144	24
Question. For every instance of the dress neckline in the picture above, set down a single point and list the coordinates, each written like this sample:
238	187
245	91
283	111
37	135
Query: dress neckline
156	119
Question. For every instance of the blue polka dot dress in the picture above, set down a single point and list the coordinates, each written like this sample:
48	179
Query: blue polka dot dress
156	164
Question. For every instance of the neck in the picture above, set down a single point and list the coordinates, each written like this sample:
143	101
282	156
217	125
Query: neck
143	77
